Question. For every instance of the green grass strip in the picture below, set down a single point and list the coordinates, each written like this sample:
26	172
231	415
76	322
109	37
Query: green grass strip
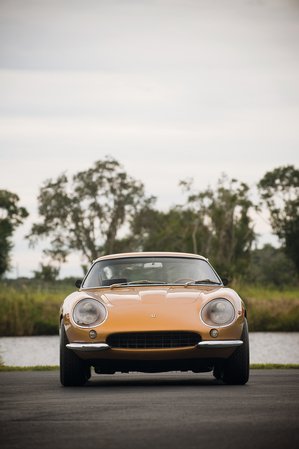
56	368
29	368
273	366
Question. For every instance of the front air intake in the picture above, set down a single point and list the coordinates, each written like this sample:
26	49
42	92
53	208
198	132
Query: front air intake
153	340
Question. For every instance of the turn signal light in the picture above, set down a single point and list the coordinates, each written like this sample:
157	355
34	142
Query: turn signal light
93	334
214	333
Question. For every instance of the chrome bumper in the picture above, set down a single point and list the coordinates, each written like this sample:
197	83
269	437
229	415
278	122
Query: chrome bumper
220	344
85	347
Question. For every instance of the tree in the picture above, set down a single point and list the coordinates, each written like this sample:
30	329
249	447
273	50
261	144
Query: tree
215	224
222	229
271	266
11	216
163	231
280	191
86	213
47	273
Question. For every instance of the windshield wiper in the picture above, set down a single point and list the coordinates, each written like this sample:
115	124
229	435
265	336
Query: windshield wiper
145	281
142	281
203	281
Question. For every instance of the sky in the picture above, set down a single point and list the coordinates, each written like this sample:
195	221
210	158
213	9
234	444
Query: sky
172	89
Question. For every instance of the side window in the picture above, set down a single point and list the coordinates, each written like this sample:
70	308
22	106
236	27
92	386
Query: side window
92	279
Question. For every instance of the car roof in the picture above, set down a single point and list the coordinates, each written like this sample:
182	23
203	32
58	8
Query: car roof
153	253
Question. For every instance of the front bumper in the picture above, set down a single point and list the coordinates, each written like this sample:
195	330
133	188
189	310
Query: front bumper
220	344
89	347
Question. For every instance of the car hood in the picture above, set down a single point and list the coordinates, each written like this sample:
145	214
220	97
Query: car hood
150	308
152	295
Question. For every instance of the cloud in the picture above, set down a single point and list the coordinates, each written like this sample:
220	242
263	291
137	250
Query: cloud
170	88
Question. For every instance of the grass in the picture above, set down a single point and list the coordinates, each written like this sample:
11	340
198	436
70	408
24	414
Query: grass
56	368
29	368
273	366
26	311
271	310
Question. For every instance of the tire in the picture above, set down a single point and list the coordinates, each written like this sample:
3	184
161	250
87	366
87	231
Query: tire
236	367
87	372
73	370
217	372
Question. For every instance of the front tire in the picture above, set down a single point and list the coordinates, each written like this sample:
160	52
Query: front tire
217	372
73	370
236	367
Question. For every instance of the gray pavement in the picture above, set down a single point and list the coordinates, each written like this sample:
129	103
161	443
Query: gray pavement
135	410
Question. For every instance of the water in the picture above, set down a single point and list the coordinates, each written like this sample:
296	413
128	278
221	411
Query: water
30	351
265	347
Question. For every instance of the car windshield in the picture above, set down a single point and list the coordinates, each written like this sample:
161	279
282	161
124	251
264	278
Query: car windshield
150	270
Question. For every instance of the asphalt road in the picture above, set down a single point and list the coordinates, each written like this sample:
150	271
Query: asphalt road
175	410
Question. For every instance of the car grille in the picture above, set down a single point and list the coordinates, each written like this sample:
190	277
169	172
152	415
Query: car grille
153	340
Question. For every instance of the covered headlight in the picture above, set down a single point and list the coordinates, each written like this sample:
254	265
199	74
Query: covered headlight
89	312
218	312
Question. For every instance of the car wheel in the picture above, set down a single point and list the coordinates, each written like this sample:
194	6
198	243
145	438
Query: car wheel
236	367
73	370
217	372
88	372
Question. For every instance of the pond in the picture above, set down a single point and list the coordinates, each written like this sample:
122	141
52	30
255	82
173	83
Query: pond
265	347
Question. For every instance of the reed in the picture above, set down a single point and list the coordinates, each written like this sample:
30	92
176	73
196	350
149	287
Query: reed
271	310
28	311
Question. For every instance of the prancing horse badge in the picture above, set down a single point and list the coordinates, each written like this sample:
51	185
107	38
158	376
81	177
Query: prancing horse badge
153	315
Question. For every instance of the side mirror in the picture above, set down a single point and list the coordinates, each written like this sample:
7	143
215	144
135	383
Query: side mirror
224	281
78	283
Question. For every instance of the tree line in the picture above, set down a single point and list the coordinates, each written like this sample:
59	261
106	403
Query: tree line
85	212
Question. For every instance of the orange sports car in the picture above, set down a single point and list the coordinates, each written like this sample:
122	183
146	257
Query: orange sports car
153	312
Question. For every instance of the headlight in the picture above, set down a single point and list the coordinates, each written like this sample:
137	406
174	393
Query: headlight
89	312
218	311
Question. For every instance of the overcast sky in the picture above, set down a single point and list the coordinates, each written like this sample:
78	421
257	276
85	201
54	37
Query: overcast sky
170	88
